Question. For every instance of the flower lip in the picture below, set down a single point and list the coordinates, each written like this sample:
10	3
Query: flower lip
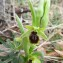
34	38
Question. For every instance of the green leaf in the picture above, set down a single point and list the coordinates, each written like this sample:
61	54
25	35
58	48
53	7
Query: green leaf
4	43
39	54
10	44
8	60
19	47
21	59
20	24
2	51
36	53
15	60
4	57
36	60
32	12
2	62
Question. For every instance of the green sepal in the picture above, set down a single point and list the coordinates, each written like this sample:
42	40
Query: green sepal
42	34
25	34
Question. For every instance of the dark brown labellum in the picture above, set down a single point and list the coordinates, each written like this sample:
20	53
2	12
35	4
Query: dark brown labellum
33	37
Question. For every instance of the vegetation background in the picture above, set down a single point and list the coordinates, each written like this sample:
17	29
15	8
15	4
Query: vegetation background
53	48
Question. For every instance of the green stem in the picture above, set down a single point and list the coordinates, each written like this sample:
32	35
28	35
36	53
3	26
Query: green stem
25	39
